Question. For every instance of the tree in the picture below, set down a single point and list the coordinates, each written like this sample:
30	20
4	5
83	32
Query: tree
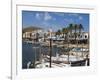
37	37
75	33
80	27
70	28
65	33
80	30
58	32
44	37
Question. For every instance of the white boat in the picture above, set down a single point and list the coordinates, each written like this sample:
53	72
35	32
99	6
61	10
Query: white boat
65	58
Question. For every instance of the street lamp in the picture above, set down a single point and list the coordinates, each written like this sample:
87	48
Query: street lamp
50	45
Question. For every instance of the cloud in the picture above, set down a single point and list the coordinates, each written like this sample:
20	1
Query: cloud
44	16
76	15
80	17
47	16
45	23
39	16
69	20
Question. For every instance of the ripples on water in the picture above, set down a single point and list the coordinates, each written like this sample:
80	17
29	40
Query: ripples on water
28	53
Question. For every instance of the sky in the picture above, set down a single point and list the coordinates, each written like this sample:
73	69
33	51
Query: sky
54	20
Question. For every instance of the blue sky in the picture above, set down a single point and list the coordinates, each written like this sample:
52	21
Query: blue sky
54	20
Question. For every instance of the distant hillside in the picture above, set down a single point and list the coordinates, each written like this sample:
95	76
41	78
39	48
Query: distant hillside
31	28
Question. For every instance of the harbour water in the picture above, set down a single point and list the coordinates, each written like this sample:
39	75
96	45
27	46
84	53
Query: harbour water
30	54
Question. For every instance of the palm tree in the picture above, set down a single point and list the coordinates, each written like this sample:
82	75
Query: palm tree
65	33
70	28
58	33
75	28
44	37
80	30
37	37
80	27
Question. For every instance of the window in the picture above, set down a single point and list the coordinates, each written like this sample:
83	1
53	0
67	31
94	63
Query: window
85	36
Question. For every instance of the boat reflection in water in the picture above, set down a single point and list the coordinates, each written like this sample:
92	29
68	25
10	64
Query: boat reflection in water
36	55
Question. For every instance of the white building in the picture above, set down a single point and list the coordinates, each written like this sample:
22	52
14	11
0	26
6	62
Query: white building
81	36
